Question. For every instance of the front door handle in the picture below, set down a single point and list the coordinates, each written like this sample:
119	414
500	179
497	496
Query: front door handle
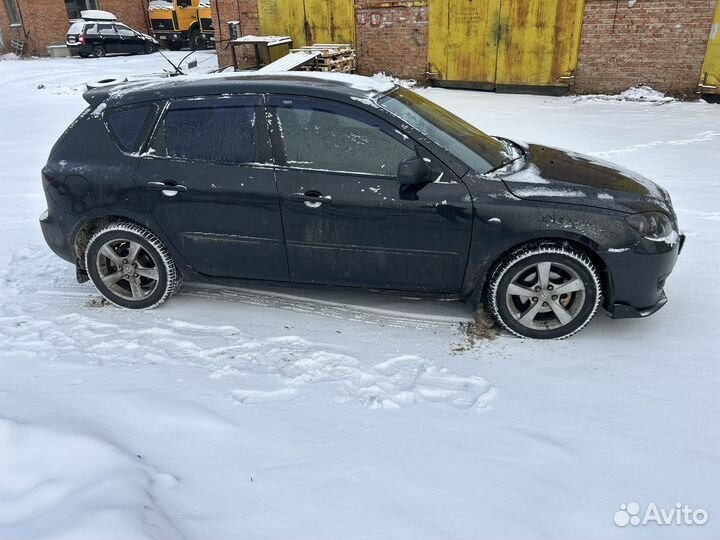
313	199
167	185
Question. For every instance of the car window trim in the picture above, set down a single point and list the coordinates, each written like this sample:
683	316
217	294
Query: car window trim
260	129
148	126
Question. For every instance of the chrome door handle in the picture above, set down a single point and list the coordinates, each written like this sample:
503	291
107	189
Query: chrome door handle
168	185
310	198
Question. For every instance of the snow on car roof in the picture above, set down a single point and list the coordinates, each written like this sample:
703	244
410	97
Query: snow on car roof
353	85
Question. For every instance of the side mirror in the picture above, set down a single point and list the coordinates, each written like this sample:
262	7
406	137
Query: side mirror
413	170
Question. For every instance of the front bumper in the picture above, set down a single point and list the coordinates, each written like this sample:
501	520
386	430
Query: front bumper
638	278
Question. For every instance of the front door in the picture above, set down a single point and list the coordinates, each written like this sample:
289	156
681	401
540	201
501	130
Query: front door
210	187
347	219
131	42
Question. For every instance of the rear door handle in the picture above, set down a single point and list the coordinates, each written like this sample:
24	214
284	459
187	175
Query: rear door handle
311	198
167	185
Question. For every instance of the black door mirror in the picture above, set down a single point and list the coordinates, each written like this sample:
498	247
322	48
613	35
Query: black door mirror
413	170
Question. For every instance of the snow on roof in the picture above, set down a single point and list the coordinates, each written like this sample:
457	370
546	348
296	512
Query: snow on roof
356	82
156	5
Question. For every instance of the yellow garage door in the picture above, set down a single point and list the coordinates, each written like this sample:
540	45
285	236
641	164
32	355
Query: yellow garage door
495	43
308	21
711	68
463	40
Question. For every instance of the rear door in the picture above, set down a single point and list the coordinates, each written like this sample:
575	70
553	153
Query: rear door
109	38
347	219
209	183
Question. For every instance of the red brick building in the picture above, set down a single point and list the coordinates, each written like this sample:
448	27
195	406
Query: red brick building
38	23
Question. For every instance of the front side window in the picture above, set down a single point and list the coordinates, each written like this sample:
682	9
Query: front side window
221	134
475	148
124	31
323	136
13	11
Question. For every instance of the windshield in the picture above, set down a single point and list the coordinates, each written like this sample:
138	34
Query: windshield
475	148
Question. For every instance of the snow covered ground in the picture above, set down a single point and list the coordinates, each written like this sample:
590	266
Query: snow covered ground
231	414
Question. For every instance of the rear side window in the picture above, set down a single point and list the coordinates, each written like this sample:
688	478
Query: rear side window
76	28
127	124
91	30
222	134
106	30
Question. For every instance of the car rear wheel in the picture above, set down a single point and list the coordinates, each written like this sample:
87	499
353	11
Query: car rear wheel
544	292
98	51
130	266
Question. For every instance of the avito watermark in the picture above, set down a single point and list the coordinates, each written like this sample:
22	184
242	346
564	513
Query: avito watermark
680	514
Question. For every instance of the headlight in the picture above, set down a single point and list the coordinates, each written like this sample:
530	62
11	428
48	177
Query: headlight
653	225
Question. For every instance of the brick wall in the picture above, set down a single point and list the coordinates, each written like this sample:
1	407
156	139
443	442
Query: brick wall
392	37
244	11
44	22
131	12
657	42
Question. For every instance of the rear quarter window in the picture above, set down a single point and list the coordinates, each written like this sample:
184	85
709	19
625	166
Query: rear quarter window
128	125
76	28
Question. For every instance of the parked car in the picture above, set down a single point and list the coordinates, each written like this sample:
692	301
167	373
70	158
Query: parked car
320	180
99	35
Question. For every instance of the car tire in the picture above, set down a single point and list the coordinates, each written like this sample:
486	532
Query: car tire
99	51
197	41
544	292
149	48
130	266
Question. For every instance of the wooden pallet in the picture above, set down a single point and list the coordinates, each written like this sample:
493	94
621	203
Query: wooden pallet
330	57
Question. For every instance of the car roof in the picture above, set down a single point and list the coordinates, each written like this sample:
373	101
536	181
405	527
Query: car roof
334	85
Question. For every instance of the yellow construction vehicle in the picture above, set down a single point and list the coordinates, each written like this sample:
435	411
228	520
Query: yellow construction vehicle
180	23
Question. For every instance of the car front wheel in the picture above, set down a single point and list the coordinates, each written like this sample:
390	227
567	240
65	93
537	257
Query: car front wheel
544	292
130	266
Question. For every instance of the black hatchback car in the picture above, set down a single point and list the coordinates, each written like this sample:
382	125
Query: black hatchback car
101	37
346	181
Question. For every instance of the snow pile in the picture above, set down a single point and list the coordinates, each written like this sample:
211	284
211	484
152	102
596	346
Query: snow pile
405	83
640	93
75	486
157	5
9	56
